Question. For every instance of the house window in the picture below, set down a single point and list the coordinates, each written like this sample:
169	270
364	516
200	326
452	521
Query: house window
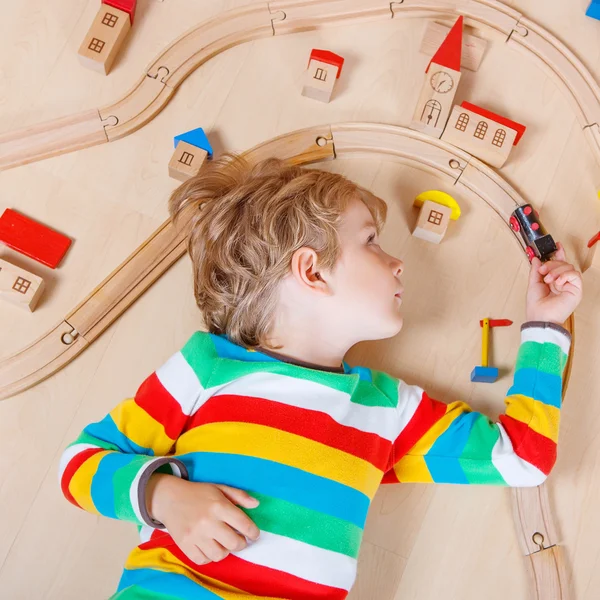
435	217
109	19
499	137
21	285
321	74
186	159
481	130
462	122
96	45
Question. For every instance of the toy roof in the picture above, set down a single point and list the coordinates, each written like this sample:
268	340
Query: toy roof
450	50
327	57
594	240
127	6
195	137
488	114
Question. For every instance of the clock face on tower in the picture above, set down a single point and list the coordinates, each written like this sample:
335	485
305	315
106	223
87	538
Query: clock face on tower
441	82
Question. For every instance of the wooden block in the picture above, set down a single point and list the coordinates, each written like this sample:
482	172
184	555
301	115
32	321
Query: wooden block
104	39
593	10
319	80
32	238
480	136
127	6
473	47
432	222
19	286
435	101
186	161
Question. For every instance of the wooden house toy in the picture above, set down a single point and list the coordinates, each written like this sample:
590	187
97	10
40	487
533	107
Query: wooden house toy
472	51
482	133
19	286
437	209
324	69
106	35
440	85
191	150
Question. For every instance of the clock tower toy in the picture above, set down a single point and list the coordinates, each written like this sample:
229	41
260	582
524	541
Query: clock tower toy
441	81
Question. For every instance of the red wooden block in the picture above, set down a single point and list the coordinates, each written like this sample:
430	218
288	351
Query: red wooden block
327	57
32	238
127	6
450	51
488	114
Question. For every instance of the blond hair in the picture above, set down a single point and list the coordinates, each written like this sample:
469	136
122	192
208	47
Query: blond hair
246	221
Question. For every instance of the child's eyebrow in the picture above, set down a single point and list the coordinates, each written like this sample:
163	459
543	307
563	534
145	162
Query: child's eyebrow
368	225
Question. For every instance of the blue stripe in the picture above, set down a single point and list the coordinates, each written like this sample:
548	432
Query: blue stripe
545	387
227	349
363	373
103	488
107	431
173	585
280	481
443	459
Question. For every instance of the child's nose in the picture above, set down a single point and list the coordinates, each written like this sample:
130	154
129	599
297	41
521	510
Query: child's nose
397	266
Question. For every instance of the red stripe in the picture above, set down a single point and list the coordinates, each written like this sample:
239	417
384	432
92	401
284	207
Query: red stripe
72	468
530	445
428	413
311	424
161	406
390	477
251	578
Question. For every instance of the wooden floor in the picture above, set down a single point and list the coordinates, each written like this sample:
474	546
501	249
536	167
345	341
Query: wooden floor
422	542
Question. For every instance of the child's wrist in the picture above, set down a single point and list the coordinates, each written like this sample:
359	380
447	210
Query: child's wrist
157	495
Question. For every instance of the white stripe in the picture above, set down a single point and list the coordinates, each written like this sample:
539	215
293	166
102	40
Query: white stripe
180	380
409	398
515	471
146	533
300	559
68	455
310	395
546	335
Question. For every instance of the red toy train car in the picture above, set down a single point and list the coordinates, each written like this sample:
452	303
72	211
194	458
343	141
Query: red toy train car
525	220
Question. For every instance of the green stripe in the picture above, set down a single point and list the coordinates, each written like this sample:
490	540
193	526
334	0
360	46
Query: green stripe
121	482
477	453
359	392
200	354
387	384
547	357
136	592
86	438
305	525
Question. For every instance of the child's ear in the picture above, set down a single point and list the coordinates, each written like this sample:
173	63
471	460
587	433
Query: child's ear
305	269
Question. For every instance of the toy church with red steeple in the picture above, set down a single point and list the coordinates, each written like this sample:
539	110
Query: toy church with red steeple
440	85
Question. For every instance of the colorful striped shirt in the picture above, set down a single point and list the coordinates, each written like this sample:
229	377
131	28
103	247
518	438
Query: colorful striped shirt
311	445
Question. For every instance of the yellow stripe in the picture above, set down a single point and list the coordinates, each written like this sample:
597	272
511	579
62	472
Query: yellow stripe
80	485
164	560
268	443
135	423
545	419
412	469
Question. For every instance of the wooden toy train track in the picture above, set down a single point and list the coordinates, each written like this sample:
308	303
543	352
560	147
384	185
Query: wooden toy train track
81	326
155	88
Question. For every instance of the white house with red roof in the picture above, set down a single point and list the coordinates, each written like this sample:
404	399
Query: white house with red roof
324	69
482	133
440	85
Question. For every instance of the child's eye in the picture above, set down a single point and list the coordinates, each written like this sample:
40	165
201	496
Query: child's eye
371	238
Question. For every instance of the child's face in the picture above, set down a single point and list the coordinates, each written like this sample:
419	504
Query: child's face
365	281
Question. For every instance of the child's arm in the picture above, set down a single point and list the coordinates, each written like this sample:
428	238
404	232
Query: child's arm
451	443
106	469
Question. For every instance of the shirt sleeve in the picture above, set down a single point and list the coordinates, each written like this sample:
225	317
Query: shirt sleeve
106	469
451	443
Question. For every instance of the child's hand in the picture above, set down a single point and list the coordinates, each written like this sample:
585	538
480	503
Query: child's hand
555	289
202	518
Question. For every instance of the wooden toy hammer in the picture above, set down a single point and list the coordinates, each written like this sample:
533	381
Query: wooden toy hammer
483	373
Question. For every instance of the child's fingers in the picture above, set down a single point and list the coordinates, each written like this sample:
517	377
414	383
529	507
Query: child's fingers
560	253
556	271
569	280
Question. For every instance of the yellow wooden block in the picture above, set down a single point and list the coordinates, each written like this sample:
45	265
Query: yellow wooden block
439	197
19	286
186	161
104	39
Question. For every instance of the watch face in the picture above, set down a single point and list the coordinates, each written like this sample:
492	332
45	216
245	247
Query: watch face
441	82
